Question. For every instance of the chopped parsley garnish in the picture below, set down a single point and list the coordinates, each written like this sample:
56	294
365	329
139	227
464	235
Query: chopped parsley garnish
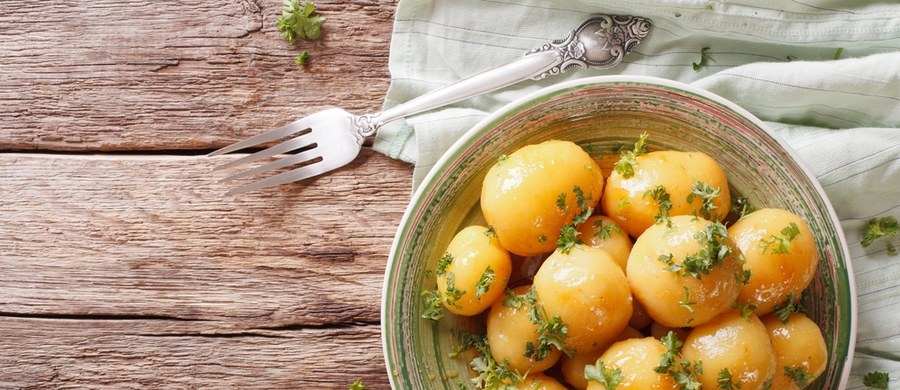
705	58
744	277
742	207
561	202
626	163
490	232
726	382
767	385
667	359
432	299
621	203
598	372
297	20
715	251
877	380
746	310
779	244
502	158
686	373
568	235
799	375
604	232
484	282
512	300
661	196
453	293
358	385
881	229
542	239
491	374
687	302
552	332
443	263
784	310
706	193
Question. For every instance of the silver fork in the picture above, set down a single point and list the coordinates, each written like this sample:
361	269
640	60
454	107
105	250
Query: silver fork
330	139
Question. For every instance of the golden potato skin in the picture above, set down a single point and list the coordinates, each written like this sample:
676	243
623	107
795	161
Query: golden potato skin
615	241
636	358
473	252
540	382
573	367
774	276
509	329
662	291
731	341
624	199
797	343
519	194
590	294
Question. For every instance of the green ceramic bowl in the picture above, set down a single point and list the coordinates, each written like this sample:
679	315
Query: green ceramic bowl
599	113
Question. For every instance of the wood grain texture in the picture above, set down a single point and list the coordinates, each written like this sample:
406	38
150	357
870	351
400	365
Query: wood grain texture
160	354
114	75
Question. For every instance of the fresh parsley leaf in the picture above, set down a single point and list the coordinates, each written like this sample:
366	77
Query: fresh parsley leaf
744	277
484	282
598	372
726	382
552	332
491	374
779	244
742	207
358	385
784	310
877	380
746	310
686	373
707	194
490	232
512	300
604	232
584	211
443	263
542	239
568	235
687	302
453	293
799	375
667	359
715	251
432	299
661	196
297	20
626	163
881	229
622	203
838	52
300	59
568	238
705	58
561	202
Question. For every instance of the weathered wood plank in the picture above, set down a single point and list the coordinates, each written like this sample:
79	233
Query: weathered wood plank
135	75
59	353
152	236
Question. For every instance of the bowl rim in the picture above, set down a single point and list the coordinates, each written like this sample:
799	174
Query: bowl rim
460	143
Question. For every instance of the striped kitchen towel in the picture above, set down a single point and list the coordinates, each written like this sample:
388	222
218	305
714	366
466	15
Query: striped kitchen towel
824	74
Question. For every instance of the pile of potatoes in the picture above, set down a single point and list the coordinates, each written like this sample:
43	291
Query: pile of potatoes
638	279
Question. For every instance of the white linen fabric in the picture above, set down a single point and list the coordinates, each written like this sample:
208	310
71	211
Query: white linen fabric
823	74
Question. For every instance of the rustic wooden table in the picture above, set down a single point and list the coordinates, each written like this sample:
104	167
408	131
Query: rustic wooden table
121	263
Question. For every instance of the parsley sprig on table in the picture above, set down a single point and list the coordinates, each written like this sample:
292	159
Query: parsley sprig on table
881	229
877	380
598	372
358	385
299	20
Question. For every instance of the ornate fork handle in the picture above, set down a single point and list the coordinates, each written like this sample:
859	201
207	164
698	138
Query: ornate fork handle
601	42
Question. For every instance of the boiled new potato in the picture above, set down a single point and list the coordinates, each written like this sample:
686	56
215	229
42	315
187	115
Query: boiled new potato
734	343
509	329
473	272
573	367
662	267
602	232
628	201
781	255
799	347
636	359
529	195
540	382
589	293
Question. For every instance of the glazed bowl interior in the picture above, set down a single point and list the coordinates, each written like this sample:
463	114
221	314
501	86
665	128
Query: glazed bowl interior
600	114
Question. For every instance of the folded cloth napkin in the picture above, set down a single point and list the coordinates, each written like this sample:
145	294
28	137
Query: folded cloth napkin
824	75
